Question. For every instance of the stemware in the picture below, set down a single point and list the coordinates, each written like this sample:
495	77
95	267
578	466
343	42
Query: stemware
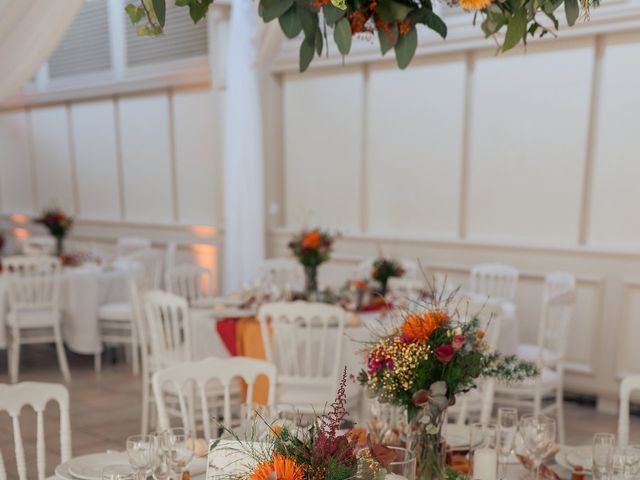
140	450
180	446
118	472
507	429
603	449
632	462
538	435
404	465
160	468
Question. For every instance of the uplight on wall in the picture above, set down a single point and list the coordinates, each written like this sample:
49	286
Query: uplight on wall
203	230
20	233
19	219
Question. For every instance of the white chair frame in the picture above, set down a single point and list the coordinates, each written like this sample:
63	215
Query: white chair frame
128	245
182	377
627	387
497	281
285	273
191	282
35	394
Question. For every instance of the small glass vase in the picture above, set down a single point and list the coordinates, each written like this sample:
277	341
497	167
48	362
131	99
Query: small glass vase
311	282
430	449
59	245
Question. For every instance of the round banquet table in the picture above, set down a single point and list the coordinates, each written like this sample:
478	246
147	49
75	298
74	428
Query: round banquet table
82	291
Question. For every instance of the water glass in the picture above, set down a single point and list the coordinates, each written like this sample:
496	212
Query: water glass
507	430
404	465
118	472
160	469
483	451
180	446
140	450
632	462
603	449
538	436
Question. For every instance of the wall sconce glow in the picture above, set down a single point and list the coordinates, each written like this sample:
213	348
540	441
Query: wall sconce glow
21	233
203	230
206	256
19	219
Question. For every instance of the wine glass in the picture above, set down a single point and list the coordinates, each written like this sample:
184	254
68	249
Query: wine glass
118	472
140	450
603	449
507	429
180	445
538	434
160	469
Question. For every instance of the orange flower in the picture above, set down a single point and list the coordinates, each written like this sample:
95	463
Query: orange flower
418	328
405	27
475	4
311	240
480	334
280	468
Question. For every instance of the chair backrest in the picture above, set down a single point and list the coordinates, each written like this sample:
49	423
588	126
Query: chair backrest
38	245
168	327
404	293
189	281
201	373
558	303
489	314
150	264
284	273
365	267
127	245
304	342
499	282
32	282
627	386
35	394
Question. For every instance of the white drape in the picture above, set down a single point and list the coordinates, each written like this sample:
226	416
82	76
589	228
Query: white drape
29	31
244	239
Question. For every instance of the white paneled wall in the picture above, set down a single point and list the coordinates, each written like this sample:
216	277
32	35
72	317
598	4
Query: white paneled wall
16	188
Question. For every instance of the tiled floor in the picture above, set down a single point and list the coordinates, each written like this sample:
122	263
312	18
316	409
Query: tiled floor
105	410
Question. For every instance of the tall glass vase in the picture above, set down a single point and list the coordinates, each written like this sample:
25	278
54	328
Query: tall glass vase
430	449
311	281
59	245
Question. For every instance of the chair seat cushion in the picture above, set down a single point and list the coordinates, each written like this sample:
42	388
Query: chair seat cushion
116	311
529	352
34	318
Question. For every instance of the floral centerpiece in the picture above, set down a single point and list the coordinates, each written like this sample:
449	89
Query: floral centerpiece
421	365
383	269
312	248
58	224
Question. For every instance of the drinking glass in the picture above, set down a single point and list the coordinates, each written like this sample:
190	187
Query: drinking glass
632	462
140	450
603	448
180	445
538	435
404	465
160	469
507	429
118	472
483	452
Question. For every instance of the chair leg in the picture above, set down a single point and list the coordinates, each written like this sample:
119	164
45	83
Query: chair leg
62	356
14	356
135	351
560	415
145	404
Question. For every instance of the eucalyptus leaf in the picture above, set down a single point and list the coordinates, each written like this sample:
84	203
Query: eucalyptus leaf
135	13
290	22
332	14
309	21
399	10
406	48
516	29
272	9
385	43
198	9
319	42
307	51
342	35
438	388
161	9
434	22
572	11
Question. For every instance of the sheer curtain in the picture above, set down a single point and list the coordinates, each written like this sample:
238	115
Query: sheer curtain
244	239
29	31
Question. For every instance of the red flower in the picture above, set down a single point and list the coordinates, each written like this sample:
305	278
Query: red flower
458	342
421	398
444	353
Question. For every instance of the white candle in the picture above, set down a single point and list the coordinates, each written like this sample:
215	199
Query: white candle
485	464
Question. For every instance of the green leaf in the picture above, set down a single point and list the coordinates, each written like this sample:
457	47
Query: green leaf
572	11
399	10
306	54
435	23
406	48
134	12
198	9
309	21
385	43
272	9
516	29
342	35
161	9
149	30
290	22
332	14
551	6
319	42
385	12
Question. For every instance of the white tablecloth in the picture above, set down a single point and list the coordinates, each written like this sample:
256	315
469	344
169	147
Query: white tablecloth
82	291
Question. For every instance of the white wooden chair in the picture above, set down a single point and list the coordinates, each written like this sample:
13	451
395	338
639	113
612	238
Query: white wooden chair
128	245
38	245
479	402
33	291
286	274
497	281
405	293
627	386
191	282
12	400
208	376
558	302
304	341
365	267
116	320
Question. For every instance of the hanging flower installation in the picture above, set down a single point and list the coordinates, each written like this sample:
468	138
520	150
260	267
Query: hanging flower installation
394	22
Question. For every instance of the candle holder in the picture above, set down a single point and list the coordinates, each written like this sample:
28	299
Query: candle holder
483	451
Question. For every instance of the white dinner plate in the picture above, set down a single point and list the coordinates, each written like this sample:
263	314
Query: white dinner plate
570	457
89	467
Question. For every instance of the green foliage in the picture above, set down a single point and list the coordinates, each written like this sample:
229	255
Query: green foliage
154	12
342	35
